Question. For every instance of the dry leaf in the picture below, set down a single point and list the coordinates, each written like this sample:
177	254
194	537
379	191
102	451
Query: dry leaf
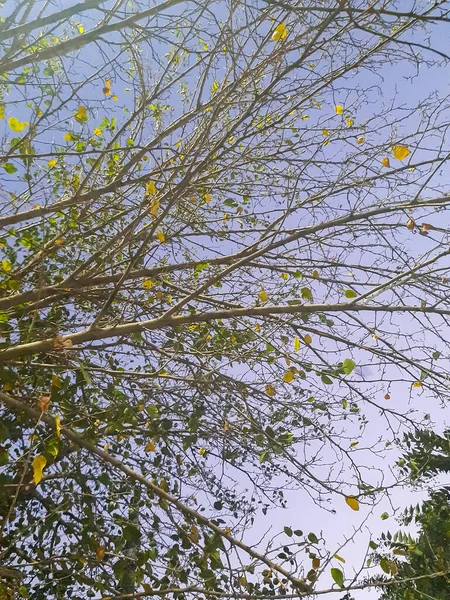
308	339
411	224
61	343
43	403
426	227
315	563
100	552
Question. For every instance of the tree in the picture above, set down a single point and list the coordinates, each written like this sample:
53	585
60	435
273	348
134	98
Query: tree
209	272
421	562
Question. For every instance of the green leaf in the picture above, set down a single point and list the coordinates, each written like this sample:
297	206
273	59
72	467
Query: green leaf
306	294
9	168
348	365
153	411
384	564
201	267
338	577
263	456
350	294
312	537
288	531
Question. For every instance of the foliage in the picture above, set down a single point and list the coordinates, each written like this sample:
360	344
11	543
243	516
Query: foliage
422	560
223	251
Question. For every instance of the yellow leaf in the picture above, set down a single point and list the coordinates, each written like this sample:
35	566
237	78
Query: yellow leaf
161	237
81	114
207	197
296	343
316	274
147	284
6	265
115	98
52	163
100	552
202	451
56	381
308	339
15	124
98	131
385	162
270	390
80	29
352	502
339	558
151	188
215	86
400	152
417	384
68	136
339	109
350	122
360	140
284	276
154	207
108	83
106	91
288	377
194	535
39	463
263	295
2	111
325	132
150	447
280	32
58	426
